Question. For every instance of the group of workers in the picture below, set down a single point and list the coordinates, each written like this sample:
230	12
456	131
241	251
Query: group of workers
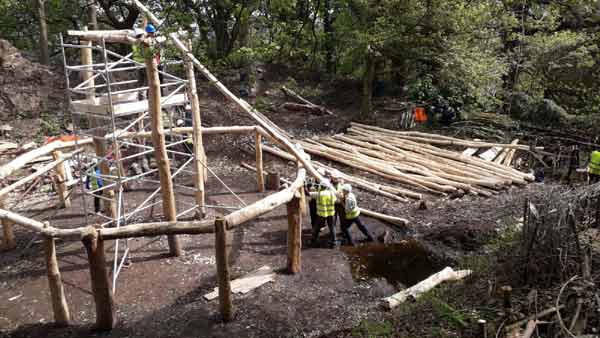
327	206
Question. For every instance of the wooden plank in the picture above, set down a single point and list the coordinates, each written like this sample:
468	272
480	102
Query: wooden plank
490	154
470	151
247	283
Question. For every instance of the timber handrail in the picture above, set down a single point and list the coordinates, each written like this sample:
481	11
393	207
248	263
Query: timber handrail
238	217
189	130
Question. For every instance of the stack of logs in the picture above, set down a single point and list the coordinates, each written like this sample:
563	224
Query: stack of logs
413	160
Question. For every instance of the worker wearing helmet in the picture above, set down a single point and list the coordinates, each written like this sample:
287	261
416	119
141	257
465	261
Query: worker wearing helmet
325	210
352	215
146	39
311	185
594	167
337	181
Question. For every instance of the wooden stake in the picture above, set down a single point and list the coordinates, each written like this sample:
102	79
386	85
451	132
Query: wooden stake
61	176
294	235
199	155
105	308
160	150
57	292
8	240
223	269
260	180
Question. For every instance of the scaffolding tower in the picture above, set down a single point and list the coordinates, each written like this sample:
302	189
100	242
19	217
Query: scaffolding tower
107	101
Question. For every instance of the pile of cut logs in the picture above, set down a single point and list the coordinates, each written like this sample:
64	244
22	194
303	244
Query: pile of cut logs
415	162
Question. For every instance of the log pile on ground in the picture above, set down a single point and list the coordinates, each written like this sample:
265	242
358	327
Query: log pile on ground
415	162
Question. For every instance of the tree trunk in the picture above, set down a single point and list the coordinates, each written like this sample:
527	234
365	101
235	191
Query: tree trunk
367	88
41	11
160	150
329	45
93	16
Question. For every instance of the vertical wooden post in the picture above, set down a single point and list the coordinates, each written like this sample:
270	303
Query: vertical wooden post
61	176
105	308
87	60
160	150
260	179
199	155
57	292
223	269
294	235
8	239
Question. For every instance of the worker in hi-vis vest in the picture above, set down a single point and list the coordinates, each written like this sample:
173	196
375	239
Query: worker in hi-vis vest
352	215
594	167
93	183
139	49
325	199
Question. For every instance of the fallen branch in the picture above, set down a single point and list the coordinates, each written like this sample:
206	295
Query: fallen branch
536	316
299	98
304	108
447	274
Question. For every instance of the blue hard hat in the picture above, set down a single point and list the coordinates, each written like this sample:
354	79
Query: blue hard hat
150	28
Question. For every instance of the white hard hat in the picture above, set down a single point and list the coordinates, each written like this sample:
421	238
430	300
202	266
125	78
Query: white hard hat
179	122
347	188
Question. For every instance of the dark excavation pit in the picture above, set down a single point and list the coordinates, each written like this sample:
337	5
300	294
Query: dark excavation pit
402	264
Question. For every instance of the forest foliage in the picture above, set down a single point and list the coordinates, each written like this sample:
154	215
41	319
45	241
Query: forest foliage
479	55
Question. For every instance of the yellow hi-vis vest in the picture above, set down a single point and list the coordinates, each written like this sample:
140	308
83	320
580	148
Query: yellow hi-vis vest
325	203
594	166
353	206
138	55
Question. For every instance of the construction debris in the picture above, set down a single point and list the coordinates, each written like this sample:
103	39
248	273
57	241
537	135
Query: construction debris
306	105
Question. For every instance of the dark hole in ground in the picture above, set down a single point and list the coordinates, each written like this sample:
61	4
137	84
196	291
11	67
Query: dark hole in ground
402	264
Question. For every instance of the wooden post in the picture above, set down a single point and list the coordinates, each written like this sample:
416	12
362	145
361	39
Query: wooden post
61	176
8	239
223	269
87	60
105	308
199	155
57	292
294	235
160	150
260	180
